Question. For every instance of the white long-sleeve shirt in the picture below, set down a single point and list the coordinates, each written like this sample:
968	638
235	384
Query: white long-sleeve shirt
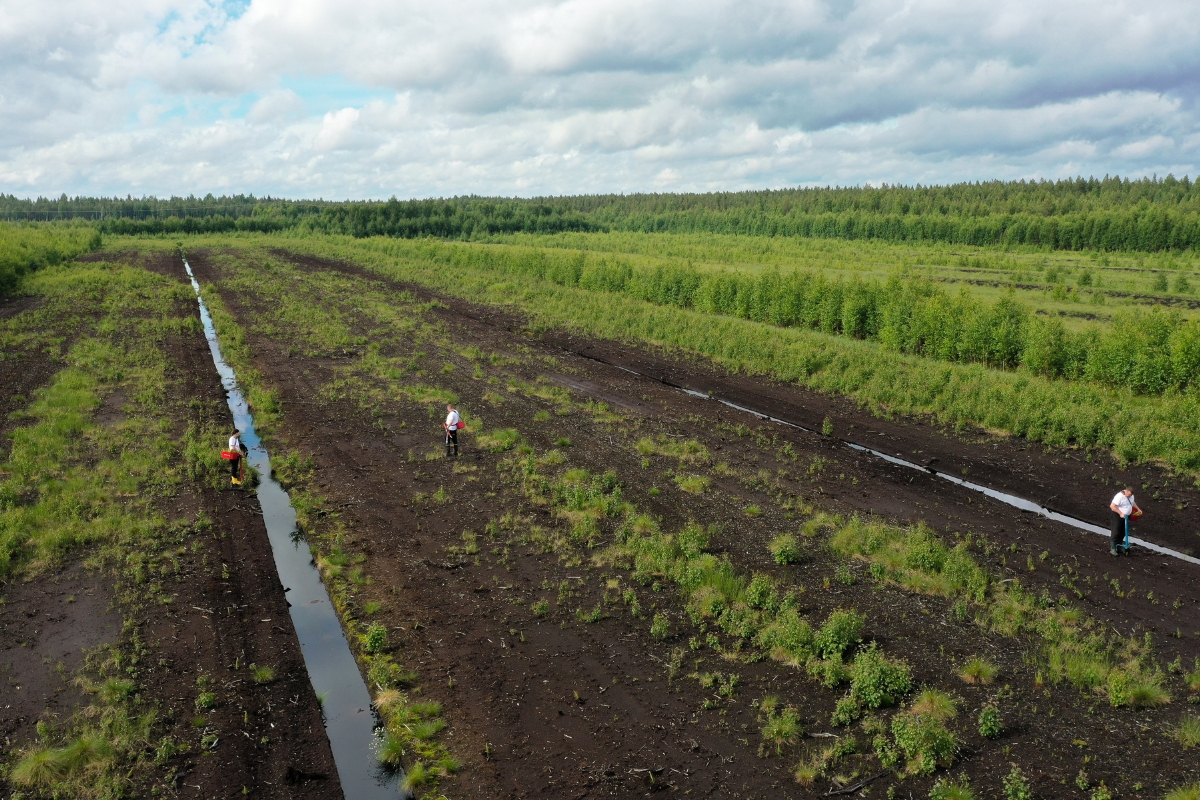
452	421
235	444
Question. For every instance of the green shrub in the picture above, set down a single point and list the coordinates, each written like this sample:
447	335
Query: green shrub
761	594
1190	792
784	549
841	630
990	723
375	639
924	740
660	626
788	637
876	680
1016	786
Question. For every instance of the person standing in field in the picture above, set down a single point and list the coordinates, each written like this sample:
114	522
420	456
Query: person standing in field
238	451
1122	507
452	424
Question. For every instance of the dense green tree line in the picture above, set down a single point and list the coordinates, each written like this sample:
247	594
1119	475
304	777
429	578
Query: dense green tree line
48	209
1103	214
25	248
460	218
210	224
1149	352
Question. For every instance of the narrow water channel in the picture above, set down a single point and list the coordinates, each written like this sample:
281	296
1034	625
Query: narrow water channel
346	704
1004	497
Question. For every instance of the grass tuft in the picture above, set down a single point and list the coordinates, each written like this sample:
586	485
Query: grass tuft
1187	732
978	670
262	673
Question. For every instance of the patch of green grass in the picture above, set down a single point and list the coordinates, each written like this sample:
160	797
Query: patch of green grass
945	789
685	451
1187	732
918	560
978	670
499	441
416	777
693	484
261	673
780	729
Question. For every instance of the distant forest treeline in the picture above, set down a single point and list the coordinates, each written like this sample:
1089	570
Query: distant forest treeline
1102	214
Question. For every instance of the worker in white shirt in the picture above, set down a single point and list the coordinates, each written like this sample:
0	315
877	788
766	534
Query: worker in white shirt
235	463
452	424
1123	507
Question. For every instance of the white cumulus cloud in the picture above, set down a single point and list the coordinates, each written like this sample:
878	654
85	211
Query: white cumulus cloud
381	97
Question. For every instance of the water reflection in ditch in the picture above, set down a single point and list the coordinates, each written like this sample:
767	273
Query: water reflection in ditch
346	704
1004	497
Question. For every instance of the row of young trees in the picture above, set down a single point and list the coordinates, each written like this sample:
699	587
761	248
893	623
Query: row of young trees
1103	214
25	248
1149	352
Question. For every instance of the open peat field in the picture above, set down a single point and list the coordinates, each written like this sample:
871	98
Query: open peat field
617	588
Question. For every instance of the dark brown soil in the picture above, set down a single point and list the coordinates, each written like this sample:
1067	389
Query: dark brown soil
45	627
21	374
270	738
557	707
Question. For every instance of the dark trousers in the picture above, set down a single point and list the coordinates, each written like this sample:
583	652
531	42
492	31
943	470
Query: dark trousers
1117	528
451	441
234	464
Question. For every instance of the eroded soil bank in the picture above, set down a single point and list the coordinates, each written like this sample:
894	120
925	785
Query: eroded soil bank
552	685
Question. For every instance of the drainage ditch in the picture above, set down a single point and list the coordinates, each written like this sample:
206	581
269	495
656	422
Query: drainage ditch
345	702
1015	501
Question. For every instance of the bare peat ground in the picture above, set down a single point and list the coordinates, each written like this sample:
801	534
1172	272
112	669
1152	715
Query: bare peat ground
269	738
556	706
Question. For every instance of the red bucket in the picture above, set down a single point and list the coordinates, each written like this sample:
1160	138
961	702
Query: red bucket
229	455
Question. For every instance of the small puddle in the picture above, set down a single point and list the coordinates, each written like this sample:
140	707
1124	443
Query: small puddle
1004	497
349	720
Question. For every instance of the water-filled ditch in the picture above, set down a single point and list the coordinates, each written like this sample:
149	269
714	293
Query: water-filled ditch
1004	497
345	702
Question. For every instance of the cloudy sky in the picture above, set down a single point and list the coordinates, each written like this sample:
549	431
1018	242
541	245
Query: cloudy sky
317	98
